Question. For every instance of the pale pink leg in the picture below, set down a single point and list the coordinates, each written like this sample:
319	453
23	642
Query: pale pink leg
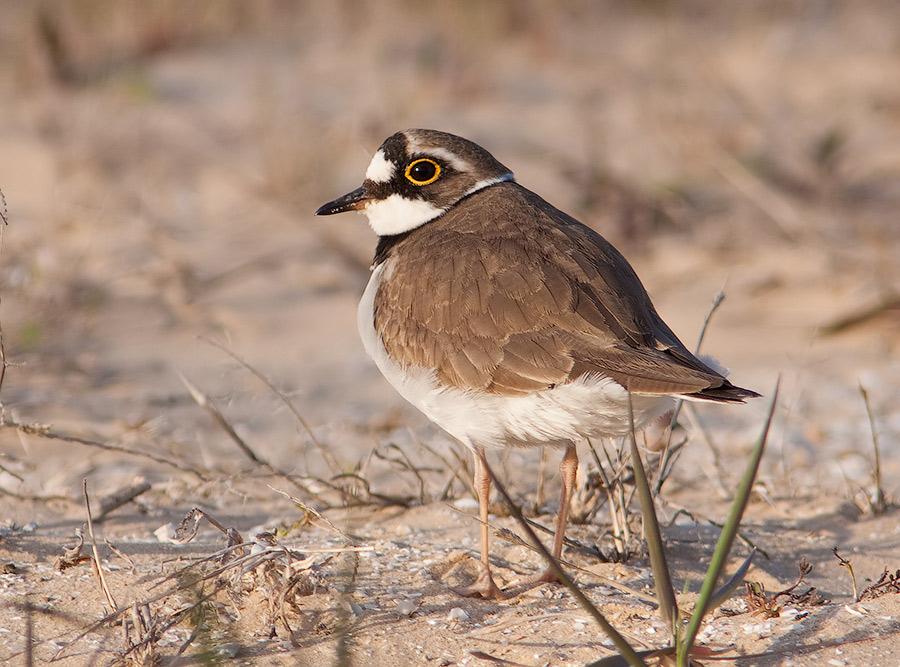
568	467
484	586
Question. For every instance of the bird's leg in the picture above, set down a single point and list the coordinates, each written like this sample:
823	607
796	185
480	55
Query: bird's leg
484	586
568	467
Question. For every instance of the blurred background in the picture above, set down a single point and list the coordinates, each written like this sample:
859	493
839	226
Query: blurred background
161	163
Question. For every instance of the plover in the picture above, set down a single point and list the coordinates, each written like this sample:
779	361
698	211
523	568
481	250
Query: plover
506	321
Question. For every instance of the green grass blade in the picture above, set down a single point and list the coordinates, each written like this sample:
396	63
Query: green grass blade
726	538
665	593
725	591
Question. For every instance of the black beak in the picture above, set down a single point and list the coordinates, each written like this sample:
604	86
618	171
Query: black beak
352	201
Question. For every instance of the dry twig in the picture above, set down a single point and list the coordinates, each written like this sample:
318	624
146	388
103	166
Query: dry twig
311	511
877	503
110	600
846	563
72	555
122	496
323	451
888	582
43	431
204	402
768	606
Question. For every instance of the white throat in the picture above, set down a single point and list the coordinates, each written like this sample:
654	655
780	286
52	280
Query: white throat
397	214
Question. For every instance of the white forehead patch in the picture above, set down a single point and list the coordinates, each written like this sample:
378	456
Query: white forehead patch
396	214
381	170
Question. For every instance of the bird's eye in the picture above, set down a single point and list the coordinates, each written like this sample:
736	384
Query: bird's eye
423	171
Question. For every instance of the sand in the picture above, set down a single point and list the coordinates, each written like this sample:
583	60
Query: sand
161	166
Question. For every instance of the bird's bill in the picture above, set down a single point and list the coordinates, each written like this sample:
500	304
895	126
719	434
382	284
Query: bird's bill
352	201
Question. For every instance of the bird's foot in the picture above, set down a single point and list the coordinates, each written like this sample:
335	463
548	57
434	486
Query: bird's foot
548	576
484	587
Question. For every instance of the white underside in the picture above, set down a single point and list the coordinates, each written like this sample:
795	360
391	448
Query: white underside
589	407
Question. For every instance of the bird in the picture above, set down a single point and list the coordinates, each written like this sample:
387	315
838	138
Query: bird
506	321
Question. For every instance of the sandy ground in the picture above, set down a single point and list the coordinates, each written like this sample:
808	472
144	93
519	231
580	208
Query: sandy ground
161	165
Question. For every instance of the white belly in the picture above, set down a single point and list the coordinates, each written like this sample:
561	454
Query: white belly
589	407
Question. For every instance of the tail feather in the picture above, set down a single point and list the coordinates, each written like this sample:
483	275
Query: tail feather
724	393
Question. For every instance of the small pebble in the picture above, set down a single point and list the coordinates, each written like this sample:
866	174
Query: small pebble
407	607
166	533
466	504
227	650
760	629
458	614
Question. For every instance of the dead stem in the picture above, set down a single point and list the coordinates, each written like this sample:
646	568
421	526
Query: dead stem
846	563
329	459
119	497
878	504
767	605
888	582
404	462
43	431
862	316
204	402
696	516
315	513
97	567
455	473
667	461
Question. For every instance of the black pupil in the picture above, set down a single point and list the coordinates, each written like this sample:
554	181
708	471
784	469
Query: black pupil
422	171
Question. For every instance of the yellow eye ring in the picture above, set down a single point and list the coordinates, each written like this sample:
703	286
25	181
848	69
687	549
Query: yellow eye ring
423	171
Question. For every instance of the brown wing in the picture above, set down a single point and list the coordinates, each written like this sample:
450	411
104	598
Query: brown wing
517	303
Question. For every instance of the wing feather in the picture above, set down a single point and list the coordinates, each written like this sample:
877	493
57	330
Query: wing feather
522	302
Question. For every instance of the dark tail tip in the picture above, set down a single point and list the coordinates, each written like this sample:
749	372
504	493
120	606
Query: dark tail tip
725	393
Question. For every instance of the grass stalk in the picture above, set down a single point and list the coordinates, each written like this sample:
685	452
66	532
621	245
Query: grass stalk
668	607
726	539
877	502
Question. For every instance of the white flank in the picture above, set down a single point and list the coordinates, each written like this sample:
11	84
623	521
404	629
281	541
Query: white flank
397	214
381	170
589	407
